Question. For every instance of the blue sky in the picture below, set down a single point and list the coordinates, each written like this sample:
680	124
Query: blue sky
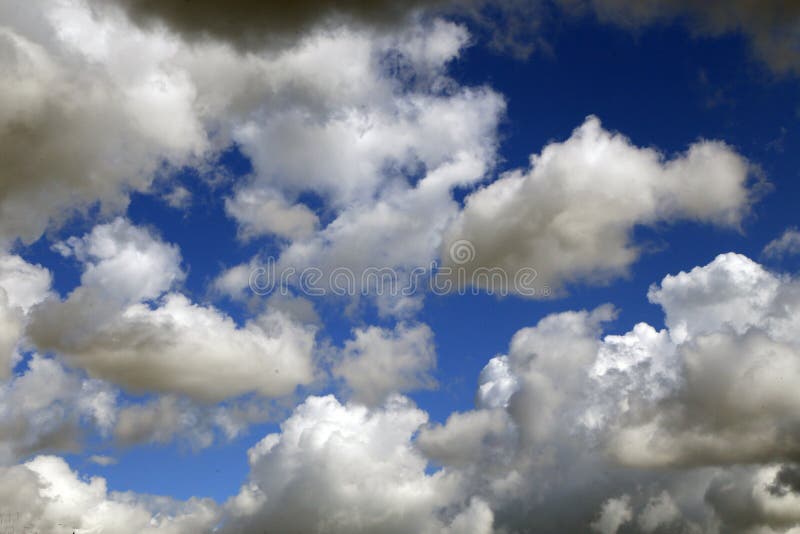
129	231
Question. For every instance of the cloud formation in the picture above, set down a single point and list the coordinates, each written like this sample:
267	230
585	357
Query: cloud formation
123	324
571	215
378	362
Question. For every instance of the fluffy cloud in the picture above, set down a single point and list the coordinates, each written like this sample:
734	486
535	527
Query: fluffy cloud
378	362
673	430
171	345
47	496
571	215
22	286
48	407
734	329
88	111
345	468
642	429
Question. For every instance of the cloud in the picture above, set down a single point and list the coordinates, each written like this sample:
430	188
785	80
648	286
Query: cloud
125	109
171	345
101	460
22	286
734	329
47	496
770	27
249	24
615	513
674	430
344	468
48	408
168	418
518	27
378	362
788	244
570	216
263	212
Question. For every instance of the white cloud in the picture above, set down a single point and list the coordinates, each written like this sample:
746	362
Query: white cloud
343	468
47	496
125	262
570	216
378	362
260	211
22	286
615	513
47	408
172	345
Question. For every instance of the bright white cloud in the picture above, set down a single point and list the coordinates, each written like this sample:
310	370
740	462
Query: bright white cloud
570	215
344	468
22	286
47	496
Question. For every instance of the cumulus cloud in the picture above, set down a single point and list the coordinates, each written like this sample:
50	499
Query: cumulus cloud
734	328
47	408
378	362
570	216
644	431
22	286
85	117
171	345
674	430
47	496
345	468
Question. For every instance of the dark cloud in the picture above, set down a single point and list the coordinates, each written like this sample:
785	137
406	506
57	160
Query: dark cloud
772	27
251	24
787	480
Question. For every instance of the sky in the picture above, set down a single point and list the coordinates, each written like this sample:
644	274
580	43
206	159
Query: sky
448	266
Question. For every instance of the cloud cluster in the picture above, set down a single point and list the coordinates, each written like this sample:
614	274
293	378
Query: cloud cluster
675	430
45	495
346	468
770	27
123	324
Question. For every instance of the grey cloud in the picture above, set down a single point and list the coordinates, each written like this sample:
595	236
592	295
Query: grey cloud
251	24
